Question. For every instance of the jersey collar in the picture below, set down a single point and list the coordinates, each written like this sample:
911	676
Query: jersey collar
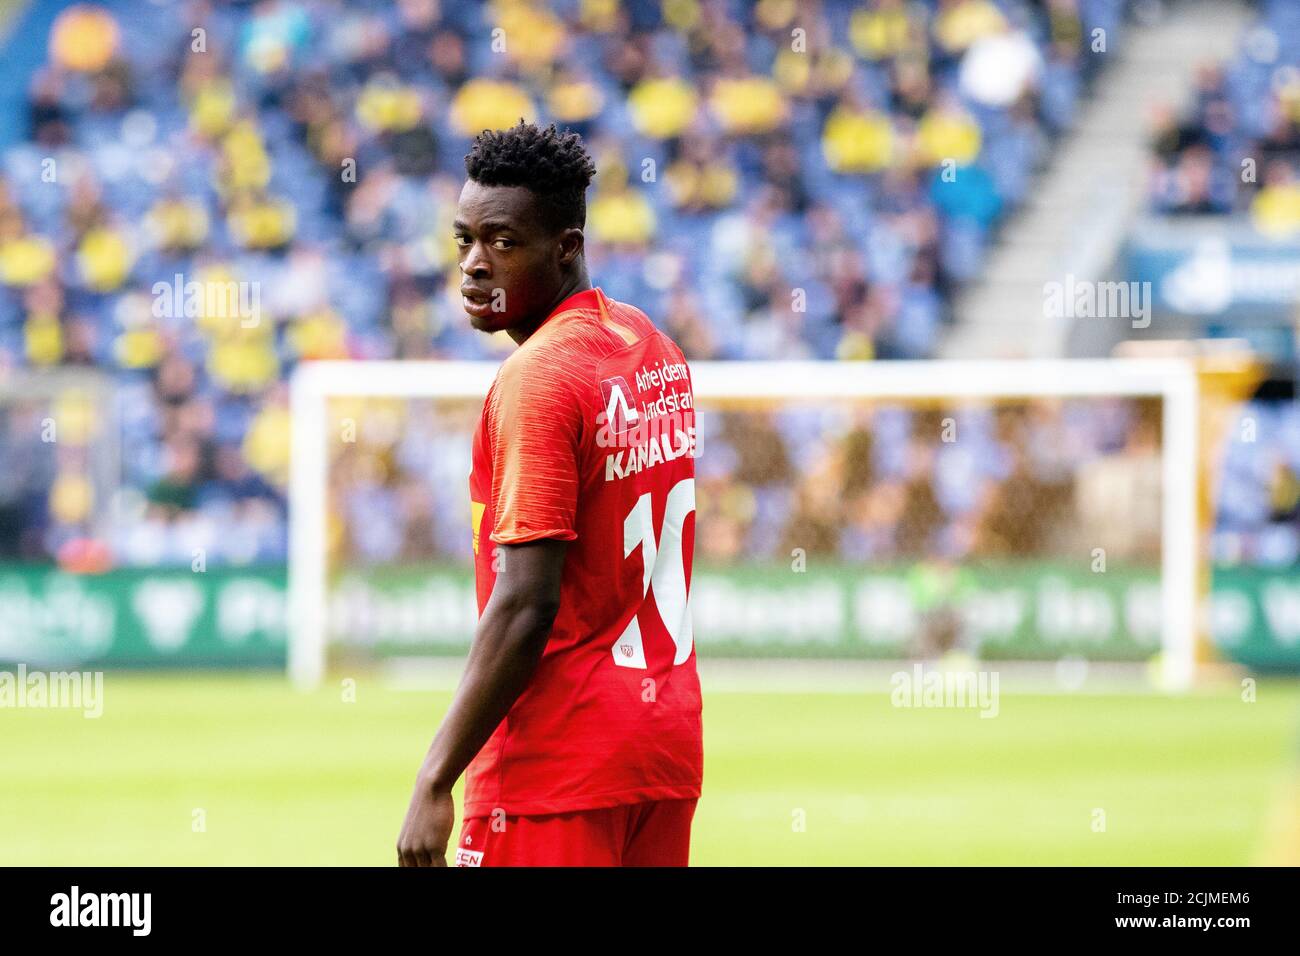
592	299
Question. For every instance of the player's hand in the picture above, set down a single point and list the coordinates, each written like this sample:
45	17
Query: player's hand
427	828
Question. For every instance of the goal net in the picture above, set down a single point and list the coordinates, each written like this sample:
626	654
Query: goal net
1037	511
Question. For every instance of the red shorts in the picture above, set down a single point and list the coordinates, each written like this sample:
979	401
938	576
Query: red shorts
656	833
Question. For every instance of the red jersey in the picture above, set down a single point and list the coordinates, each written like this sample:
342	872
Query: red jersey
588	435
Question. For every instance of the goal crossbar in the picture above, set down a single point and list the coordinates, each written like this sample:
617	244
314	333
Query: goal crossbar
1172	380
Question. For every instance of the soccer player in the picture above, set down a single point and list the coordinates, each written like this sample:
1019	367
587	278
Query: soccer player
578	718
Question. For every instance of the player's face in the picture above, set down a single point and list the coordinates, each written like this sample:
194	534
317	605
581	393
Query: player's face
510	262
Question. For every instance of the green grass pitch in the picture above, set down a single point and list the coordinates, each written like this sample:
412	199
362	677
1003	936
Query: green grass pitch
278	777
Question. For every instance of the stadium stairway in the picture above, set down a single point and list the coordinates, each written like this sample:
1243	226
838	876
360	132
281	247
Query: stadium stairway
1077	214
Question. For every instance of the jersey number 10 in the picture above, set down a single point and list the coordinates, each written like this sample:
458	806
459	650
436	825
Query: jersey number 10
665	569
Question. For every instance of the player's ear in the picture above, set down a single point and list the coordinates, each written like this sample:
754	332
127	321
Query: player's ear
571	244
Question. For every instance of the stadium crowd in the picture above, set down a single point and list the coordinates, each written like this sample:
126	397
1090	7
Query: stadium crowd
776	179
1045	479
1236	148
1258	514
1235	152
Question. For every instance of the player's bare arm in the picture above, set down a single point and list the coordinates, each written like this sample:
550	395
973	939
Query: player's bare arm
508	645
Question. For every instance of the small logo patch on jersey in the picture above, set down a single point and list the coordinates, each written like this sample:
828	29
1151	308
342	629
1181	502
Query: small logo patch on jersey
619	412
476	509
469	857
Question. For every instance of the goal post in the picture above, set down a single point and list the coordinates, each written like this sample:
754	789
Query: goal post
1171	381
312	385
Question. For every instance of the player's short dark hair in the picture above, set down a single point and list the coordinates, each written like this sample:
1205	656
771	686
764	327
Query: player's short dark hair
555	166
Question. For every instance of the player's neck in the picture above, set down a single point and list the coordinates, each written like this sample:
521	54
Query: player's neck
578	282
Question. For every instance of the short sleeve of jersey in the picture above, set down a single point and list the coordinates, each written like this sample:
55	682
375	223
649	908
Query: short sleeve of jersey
535	428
